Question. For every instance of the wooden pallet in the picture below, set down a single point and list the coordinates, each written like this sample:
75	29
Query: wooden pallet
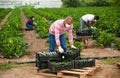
80	73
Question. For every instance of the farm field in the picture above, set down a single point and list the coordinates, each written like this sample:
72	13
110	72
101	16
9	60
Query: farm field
17	44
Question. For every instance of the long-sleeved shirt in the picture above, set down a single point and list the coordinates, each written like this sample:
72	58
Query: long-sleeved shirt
88	17
30	22
58	28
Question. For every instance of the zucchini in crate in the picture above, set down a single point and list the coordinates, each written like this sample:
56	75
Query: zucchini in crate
55	66
47	55
69	55
84	63
42	58
72	54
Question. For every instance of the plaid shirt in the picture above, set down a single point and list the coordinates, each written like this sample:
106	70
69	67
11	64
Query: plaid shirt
58	28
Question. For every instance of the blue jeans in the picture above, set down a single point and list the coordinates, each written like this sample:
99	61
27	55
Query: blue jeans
29	26
52	42
82	24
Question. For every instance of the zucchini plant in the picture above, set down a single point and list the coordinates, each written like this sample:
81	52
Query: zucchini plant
11	39
105	39
116	45
13	47
79	45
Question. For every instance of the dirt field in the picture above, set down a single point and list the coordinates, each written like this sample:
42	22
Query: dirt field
35	44
28	71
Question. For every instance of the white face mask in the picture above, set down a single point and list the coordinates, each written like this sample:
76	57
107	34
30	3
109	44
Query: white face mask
67	25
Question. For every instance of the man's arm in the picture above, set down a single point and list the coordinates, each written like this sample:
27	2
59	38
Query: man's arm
57	36
57	39
70	36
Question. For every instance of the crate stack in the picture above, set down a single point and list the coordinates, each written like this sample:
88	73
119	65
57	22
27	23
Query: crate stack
56	61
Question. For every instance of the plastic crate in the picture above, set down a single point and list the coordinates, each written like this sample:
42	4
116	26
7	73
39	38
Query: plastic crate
69	55
62	56
42	64
84	63
47	55
55	66
42	58
86	32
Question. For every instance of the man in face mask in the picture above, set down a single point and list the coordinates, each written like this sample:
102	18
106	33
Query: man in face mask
89	20
56	34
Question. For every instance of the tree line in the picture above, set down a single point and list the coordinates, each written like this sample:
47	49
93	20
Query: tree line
79	3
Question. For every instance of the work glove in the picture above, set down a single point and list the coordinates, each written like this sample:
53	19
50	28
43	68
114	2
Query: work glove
35	24
73	47
60	49
93	28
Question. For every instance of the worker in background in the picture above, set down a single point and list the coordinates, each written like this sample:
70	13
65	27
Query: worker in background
56	34
88	20
30	23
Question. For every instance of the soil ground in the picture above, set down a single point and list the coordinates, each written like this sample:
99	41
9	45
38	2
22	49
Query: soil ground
38	44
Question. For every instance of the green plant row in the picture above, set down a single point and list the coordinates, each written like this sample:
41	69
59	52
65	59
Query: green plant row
108	22
3	13
109	16
42	24
11	37
49	16
107	40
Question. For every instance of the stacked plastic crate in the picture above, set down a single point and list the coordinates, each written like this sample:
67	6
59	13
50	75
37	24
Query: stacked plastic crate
56	61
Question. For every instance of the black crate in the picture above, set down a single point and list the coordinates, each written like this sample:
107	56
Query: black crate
62	56
55	66
84	63
47	55
69	55
42	64
86	32
42	58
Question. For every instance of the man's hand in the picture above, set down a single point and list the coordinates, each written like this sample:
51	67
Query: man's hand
72	46
35	24
60	49
93	28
